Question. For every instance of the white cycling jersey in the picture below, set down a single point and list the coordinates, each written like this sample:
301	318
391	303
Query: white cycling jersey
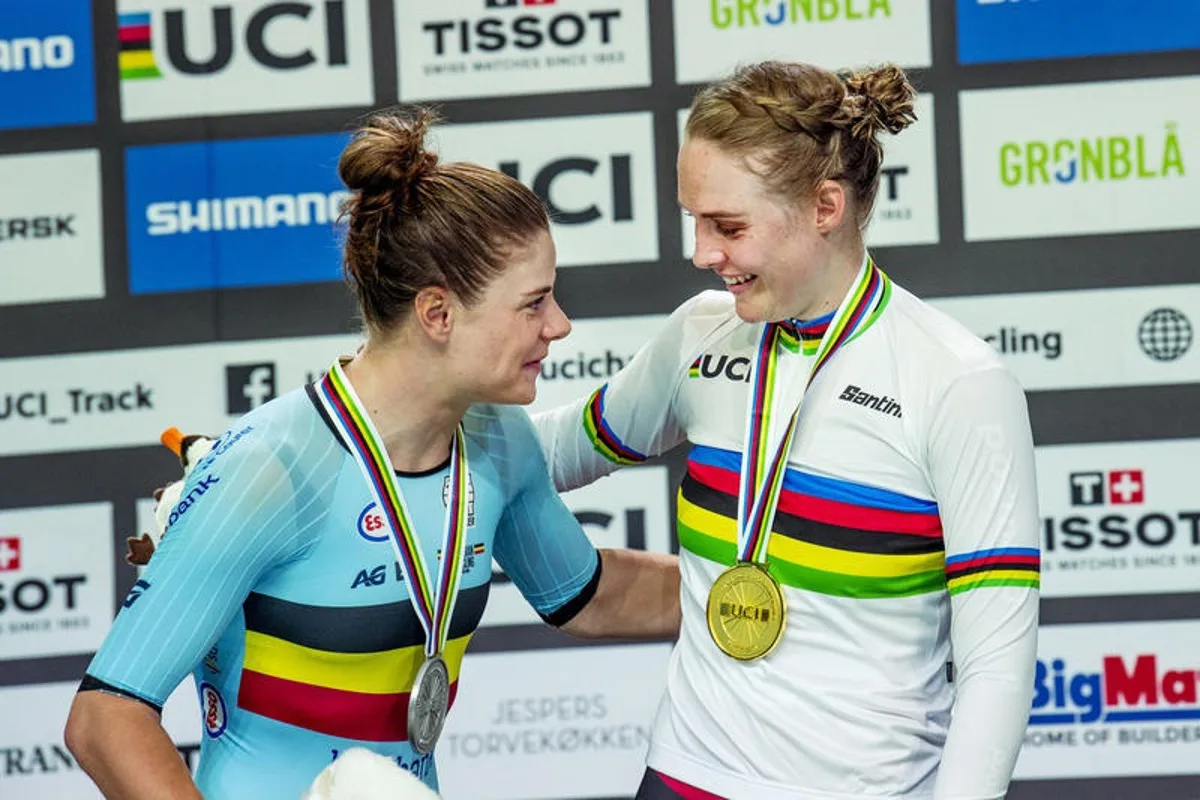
906	542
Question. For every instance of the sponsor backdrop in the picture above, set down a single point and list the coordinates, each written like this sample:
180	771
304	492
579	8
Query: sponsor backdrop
169	256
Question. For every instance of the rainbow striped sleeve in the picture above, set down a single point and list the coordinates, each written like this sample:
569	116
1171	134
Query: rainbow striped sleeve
1005	566
607	443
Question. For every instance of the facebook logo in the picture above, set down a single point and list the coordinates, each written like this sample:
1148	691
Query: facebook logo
248	386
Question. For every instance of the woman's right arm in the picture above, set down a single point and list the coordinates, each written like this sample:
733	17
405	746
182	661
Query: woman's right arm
635	415
235	520
121	744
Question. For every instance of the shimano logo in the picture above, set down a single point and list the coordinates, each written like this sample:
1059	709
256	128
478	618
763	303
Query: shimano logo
172	217
31	53
884	405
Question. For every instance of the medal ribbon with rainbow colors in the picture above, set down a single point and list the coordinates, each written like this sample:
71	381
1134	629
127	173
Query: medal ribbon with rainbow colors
746	608
433	596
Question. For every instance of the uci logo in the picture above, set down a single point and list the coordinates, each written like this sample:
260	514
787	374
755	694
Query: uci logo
263	43
213	708
710	366
543	179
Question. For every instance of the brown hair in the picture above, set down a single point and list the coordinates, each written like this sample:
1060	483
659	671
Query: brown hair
416	223
802	124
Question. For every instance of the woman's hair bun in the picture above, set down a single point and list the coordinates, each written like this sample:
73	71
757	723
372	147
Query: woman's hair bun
387	155
881	98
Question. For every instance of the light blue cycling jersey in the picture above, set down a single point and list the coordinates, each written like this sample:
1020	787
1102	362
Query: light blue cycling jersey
277	584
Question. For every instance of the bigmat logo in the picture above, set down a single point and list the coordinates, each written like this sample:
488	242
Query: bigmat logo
53	219
122	398
258	212
552	724
1114	699
1088	339
182	59
629	508
595	174
1080	159
56	594
46	65
906	207
1016	30
712	38
484	48
1119	518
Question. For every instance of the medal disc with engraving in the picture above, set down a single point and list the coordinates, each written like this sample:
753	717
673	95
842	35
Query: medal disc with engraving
746	612
428	704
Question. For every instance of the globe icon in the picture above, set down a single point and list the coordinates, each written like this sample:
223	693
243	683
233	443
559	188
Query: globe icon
1165	334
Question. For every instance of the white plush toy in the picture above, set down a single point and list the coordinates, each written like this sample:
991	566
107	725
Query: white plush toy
189	450
359	774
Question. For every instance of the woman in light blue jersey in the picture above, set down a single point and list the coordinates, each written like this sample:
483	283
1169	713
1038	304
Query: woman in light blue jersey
324	584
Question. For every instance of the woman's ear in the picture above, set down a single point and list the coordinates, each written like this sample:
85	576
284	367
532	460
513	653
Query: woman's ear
830	204
433	308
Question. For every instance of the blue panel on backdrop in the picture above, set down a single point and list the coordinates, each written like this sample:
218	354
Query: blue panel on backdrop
1021	30
46	71
255	212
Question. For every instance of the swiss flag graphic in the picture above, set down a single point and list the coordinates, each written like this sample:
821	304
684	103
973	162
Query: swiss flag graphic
10	553
1126	487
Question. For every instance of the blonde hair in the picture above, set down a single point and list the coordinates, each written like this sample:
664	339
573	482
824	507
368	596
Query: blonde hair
802	124
416	223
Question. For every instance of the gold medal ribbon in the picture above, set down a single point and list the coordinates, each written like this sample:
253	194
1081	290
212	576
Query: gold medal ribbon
761	476
433	595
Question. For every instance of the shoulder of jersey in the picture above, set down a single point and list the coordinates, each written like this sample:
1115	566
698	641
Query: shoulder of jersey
942	340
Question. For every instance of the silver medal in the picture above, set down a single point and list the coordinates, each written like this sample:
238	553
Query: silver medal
428	704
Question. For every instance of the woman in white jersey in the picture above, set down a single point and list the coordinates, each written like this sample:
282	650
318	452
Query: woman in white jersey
858	523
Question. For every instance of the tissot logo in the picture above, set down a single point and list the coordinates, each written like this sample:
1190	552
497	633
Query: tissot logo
472	48
182	59
1116	487
884	405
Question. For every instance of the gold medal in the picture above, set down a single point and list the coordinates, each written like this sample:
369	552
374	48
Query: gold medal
746	611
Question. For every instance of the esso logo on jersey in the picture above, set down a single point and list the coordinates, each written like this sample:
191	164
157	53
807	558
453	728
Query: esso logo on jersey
371	524
213	708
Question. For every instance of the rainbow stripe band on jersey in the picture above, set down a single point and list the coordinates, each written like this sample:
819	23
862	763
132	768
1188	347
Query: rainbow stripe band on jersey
830	536
607	443
433	599
1006	566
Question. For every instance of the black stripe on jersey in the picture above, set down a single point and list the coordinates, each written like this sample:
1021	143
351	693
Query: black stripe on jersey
93	684
813	532
568	610
356	629
991	566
